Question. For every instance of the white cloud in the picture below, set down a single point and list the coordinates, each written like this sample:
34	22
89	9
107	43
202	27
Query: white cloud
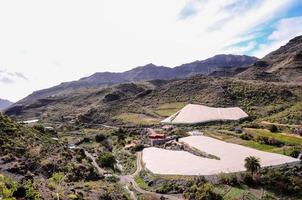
286	29
62	40
242	49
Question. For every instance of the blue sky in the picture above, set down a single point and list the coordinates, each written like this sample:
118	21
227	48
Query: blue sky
44	43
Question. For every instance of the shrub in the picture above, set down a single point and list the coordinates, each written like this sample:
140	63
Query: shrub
39	128
113	179
272	128
247	178
295	152
107	159
137	148
228	179
269	141
100	138
205	192
246	136
31	191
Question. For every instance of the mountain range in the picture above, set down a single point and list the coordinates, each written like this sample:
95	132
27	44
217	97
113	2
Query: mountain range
214	81
4	104
148	72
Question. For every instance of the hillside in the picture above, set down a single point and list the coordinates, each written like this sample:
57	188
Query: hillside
118	103
4	104
34	159
284	64
147	72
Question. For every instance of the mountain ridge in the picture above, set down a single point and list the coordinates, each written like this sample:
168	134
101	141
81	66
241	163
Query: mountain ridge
147	72
283	64
4	103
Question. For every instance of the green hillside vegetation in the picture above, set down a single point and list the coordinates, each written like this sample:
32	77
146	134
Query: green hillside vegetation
31	155
141	102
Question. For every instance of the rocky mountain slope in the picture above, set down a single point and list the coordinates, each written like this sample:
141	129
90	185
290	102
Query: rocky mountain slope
4	104
147	72
284	64
119	103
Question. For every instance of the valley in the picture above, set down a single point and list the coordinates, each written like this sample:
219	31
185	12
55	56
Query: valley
103	136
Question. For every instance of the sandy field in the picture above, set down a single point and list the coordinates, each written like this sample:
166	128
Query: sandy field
193	113
161	161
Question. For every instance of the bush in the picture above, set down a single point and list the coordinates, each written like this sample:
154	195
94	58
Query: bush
295	152
228	179
165	188
269	141
31	191
39	128
272	128
137	148
205	192
107	159
100	138
247	178
246	136
113	179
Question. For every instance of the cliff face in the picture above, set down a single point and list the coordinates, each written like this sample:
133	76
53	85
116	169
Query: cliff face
284	64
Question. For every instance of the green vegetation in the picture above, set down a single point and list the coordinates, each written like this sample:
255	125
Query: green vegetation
168	109
107	160
141	183
287	139
252	164
11	190
261	139
138	119
7	188
290	115
56	183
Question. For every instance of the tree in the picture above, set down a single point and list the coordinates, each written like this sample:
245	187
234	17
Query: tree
107	160
252	164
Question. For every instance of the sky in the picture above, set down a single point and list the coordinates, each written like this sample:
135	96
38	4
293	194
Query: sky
44	43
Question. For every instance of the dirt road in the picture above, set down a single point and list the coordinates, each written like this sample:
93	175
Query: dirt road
129	179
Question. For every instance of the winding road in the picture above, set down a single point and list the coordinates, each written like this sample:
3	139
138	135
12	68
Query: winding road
129	179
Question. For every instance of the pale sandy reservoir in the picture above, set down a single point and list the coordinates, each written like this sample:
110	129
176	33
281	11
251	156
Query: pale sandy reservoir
169	162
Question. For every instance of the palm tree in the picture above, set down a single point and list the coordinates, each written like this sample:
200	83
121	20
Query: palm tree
252	164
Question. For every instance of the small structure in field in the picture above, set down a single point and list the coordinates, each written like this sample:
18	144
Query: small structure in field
195	133
168	127
195	114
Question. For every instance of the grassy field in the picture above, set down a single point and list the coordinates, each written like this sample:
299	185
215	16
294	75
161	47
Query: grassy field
168	109
141	183
290	141
289	115
286	138
231	193
135	118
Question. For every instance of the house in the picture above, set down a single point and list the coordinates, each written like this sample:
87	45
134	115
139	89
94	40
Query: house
156	138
